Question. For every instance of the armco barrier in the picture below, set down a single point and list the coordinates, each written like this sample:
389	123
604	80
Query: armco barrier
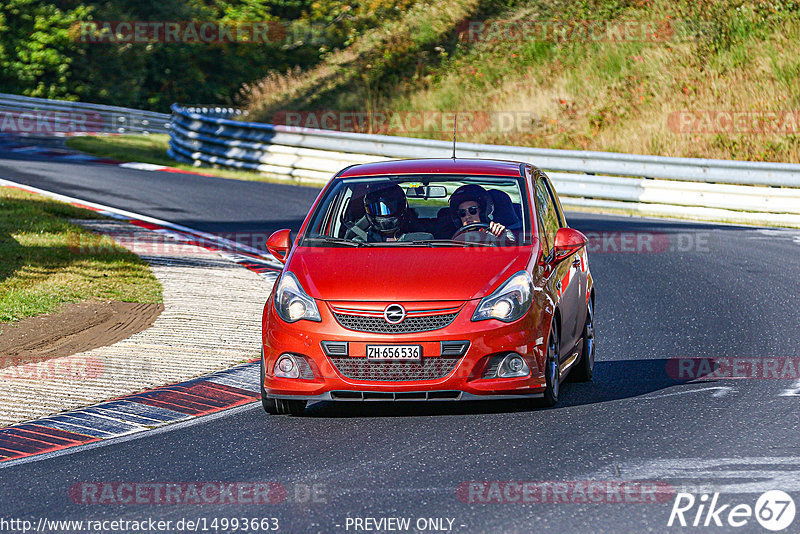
40	116
720	190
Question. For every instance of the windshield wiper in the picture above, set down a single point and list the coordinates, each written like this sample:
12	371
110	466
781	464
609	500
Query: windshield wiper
338	241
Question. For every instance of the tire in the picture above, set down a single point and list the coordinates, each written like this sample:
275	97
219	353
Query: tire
290	406
584	369
269	404
551	371
279	406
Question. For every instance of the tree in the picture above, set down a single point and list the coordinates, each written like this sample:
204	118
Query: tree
36	49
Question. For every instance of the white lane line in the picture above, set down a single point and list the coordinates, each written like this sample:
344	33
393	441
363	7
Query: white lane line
793	391
142	166
719	391
723	475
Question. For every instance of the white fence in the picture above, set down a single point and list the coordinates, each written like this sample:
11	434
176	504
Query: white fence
719	190
40	116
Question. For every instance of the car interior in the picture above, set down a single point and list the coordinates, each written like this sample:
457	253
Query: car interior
428	217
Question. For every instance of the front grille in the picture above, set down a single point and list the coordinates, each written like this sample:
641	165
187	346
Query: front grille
362	369
378	325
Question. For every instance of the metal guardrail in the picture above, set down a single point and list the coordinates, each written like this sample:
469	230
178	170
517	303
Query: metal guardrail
719	190
40	116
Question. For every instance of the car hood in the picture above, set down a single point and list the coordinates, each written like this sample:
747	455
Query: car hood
405	273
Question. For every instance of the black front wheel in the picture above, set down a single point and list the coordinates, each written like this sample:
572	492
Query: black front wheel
552	371
290	406
584	369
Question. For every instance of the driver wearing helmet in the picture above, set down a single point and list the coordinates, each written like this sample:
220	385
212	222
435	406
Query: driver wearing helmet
387	212
472	204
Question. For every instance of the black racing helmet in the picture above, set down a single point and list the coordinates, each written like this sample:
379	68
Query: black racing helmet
475	193
385	206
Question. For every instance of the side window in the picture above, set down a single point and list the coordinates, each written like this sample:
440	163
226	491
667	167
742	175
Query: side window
546	213
562	221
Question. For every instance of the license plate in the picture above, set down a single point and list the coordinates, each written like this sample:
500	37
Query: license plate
391	353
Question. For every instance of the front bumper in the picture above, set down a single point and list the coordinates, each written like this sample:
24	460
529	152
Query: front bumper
463	382
413	396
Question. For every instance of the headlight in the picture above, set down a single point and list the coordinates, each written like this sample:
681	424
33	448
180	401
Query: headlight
292	303
509	302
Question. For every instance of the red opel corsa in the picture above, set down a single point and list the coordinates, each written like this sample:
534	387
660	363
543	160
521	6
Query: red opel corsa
422	280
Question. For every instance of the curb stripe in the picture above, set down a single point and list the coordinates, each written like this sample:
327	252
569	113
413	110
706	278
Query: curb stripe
138	412
71	436
26	435
64	423
218	392
23	445
121	418
95	422
182	402
133	411
49	435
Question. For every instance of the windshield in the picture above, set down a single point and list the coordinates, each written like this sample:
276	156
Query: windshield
437	210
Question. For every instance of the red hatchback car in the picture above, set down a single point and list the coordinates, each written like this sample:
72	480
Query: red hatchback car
422	280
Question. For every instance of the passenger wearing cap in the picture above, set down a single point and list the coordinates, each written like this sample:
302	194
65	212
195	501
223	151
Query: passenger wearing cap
472	204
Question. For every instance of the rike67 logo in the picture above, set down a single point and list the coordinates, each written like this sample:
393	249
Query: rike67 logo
774	510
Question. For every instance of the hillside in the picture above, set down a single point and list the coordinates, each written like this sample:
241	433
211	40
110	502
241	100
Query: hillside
710	78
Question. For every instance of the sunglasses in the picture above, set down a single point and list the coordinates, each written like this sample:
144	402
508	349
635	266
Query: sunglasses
473	210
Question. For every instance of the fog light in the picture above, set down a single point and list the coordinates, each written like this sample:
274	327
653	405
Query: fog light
286	367
513	365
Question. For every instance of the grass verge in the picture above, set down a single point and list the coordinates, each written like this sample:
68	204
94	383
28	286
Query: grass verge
43	266
153	149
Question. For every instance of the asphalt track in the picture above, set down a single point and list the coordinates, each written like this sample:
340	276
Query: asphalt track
703	291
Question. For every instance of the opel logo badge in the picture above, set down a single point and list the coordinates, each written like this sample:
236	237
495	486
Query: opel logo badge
394	313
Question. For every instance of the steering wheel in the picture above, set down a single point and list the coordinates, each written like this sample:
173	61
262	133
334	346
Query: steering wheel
475	227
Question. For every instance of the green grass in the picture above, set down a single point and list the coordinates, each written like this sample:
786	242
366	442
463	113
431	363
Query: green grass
48	261
152	149
143	148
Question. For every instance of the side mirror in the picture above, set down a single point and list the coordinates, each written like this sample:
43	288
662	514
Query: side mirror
568	242
279	244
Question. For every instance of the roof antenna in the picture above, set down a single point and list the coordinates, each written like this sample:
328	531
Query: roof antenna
455	123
